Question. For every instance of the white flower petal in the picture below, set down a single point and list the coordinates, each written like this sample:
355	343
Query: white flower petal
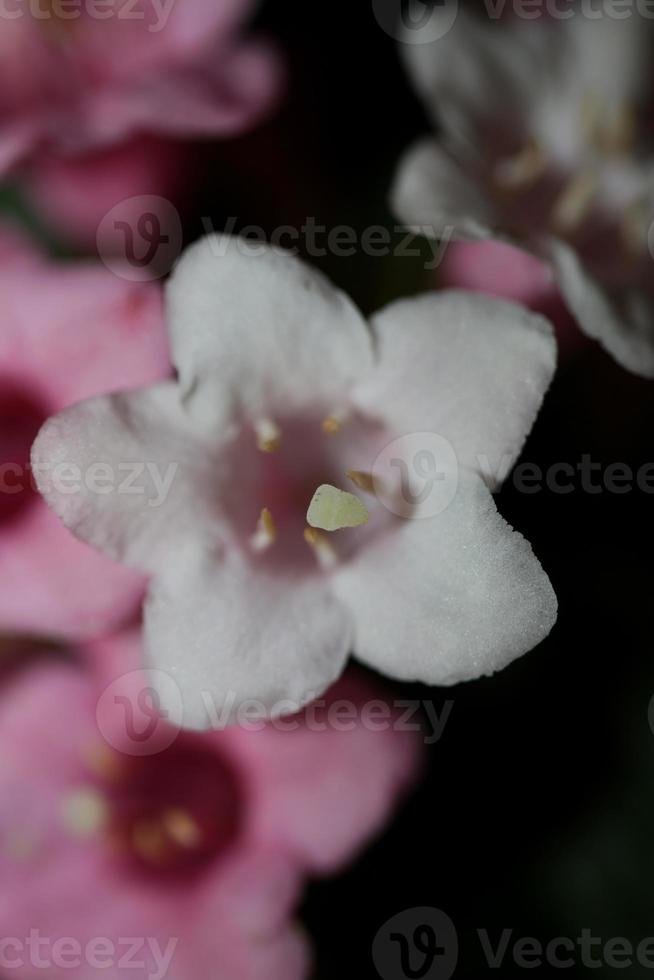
450	598
471	368
126	474
254	325
479	66
434	196
228	633
623	323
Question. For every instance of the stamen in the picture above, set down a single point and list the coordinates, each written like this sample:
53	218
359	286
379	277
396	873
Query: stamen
266	532
321	546
103	761
523	169
574	202
84	812
269	435
332	509
618	135
149	841
634	226
182	828
334	423
364	481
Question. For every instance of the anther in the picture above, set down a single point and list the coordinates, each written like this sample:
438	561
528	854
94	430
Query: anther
269	435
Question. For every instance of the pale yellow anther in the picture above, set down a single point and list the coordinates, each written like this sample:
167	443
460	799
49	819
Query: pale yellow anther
332	509
266	532
182	828
523	169
574	202
332	424
364	481
84	812
269	435
321	547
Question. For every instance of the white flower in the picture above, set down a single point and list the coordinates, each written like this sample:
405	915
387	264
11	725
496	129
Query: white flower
283	389
542	146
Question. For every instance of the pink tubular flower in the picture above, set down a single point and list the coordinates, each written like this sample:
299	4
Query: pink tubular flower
544	142
198	844
286	401
75	193
67	332
73	81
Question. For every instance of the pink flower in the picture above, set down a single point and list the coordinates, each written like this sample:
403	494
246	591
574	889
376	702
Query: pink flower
200	848
544	142
84	81
285	397
67	332
75	193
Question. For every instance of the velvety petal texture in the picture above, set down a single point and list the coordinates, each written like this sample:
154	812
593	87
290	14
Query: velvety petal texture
470	368
255	635
448	598
248	603
238	340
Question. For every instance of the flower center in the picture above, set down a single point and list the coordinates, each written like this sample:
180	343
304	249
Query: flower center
607	136
297	487
21	417
169	814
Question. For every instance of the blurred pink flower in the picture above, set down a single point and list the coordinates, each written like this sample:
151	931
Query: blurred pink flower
71	85
67	332
75	193
200	848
